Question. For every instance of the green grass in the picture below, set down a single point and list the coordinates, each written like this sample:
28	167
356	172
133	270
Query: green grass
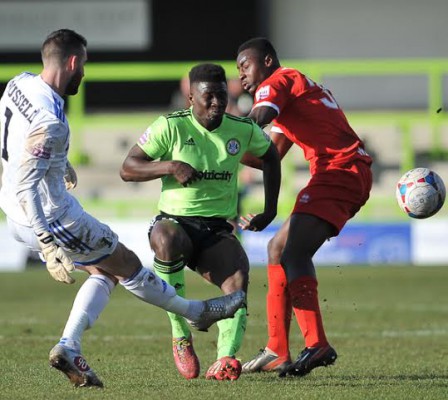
388	324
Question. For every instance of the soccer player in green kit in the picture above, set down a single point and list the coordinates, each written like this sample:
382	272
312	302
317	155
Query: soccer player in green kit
196	152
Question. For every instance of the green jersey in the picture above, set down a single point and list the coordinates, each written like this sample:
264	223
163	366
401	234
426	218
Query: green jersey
214	154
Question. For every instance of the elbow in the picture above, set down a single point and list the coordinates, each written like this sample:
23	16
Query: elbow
125	175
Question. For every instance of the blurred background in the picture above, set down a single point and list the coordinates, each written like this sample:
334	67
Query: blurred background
386	62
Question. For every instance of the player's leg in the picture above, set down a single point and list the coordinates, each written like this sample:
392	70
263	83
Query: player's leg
172	246
275	356
306	235
148	287
90	301
333	197
231	274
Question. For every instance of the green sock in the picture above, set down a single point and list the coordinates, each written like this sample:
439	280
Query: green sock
231	333
172	272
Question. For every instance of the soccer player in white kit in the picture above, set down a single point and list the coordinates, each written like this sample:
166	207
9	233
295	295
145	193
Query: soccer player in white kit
42	214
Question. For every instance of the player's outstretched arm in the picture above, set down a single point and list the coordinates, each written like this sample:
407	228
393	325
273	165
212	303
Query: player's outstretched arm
271	180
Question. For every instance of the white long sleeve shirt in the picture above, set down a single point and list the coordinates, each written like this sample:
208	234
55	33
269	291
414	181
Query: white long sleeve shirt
34	145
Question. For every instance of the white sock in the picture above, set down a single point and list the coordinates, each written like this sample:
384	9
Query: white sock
150	288
90	301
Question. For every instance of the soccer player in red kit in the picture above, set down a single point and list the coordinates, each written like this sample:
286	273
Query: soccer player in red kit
304	113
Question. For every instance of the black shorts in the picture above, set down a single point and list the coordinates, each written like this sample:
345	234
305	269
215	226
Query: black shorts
214	244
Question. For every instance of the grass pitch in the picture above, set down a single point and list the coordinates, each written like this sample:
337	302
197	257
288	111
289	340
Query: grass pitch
388	324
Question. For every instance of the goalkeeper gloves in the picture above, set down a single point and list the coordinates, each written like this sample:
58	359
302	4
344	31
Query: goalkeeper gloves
59	265
70	178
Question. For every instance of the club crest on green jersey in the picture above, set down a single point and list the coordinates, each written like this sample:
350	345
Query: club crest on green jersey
233	147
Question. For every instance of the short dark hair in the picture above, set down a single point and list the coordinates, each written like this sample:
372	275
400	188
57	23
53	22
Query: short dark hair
61	44
261	45
207	73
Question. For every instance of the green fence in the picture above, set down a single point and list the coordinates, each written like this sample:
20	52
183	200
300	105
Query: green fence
433	69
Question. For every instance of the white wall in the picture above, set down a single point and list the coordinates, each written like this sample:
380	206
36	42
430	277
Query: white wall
360	28
342	29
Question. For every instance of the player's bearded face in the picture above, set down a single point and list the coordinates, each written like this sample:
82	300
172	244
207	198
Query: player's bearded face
76	79
73	84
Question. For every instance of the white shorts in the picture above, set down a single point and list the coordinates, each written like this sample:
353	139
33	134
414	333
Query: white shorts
85	239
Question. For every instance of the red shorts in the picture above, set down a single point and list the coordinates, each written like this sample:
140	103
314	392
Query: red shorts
336	195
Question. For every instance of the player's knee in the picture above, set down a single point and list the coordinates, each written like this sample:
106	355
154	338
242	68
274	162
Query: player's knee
166	241
295	258
275	249
297	263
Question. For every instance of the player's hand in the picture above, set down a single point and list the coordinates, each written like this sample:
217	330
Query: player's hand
59	265
256	223
184	173
70	177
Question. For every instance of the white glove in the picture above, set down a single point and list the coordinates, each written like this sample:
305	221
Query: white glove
70	177
59	265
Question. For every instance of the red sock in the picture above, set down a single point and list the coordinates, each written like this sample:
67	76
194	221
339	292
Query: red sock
279	310
305	303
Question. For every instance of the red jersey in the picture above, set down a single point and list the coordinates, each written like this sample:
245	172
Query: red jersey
309	116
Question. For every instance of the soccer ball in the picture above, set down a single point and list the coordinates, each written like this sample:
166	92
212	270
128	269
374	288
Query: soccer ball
420	193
